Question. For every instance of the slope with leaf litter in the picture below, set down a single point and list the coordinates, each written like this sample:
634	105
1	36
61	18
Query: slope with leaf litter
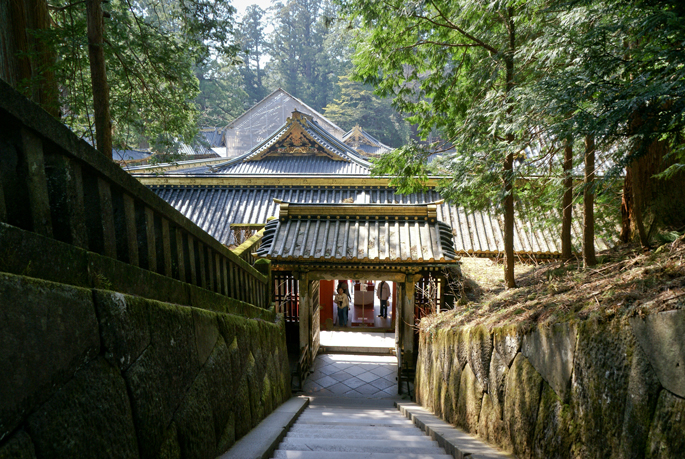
626	282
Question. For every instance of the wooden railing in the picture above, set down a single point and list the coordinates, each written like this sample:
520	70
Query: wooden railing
55	184
247	248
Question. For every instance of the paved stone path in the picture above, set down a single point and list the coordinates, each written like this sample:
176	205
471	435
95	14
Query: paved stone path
357	339
353	376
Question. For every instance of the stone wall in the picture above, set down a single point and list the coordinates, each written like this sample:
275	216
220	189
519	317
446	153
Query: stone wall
592	389
94	373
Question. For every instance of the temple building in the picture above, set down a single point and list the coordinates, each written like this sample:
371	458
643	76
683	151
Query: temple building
300	193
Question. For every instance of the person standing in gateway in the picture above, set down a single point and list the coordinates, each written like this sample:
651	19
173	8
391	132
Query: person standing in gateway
383	293
343	306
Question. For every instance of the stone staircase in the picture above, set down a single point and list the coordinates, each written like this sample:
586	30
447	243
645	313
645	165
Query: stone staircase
335	428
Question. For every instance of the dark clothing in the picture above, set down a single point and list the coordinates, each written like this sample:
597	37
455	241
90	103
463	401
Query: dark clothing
384	309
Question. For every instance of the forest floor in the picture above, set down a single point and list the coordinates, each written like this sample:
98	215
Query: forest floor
626	282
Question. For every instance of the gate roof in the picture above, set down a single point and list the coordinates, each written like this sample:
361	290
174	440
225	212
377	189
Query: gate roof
358	234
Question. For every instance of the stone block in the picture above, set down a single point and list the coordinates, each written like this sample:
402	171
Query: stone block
507	342
124	326
469	402
90	416
47	331
521	404
480	350
461	344
553	430
453	394
496	381
242	409
19	446
195	422
490	425
550	350
666	439
217	371
599	386
643	393
661	336
162	375
206	333
170	448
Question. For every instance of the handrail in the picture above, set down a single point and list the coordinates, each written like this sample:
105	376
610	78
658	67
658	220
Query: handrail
247	248
57	185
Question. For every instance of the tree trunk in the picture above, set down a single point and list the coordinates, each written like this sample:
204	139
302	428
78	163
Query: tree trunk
589	258
567	202
509	276
98	76
25	60
637	208
627	207
509	222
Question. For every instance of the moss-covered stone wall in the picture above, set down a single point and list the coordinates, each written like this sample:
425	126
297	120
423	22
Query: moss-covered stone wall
95	373
591	389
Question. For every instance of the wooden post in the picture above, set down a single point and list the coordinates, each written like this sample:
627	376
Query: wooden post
107	217
407	316
3	207
210	270
131	230
201	268
191	260
166	244
39	202
224	273
305	310
180	258
151	242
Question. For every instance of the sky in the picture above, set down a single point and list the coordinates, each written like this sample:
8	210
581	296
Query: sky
241	5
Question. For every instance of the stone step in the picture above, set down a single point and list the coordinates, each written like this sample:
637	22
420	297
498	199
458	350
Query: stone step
352	417
280	454
360	423
304	431
408	445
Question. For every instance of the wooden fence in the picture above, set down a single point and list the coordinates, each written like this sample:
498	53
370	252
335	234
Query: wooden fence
57	185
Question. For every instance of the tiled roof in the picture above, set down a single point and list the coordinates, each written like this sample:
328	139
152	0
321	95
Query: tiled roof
214	208
214	136
364	143
300	146
359	233
129	155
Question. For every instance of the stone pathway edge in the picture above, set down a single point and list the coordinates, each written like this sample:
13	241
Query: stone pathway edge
263	440
458	443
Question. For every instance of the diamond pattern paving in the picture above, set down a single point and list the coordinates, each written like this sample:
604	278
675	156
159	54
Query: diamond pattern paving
352	376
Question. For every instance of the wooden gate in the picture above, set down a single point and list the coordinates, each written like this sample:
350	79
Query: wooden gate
287	301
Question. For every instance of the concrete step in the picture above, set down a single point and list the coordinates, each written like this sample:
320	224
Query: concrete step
280	454
409	445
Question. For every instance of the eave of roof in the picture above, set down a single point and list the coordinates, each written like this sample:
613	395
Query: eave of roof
363	234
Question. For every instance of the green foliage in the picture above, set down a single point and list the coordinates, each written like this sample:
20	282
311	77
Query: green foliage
299	47
151	47
407	167
358	105
253	46
615	69
221	97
